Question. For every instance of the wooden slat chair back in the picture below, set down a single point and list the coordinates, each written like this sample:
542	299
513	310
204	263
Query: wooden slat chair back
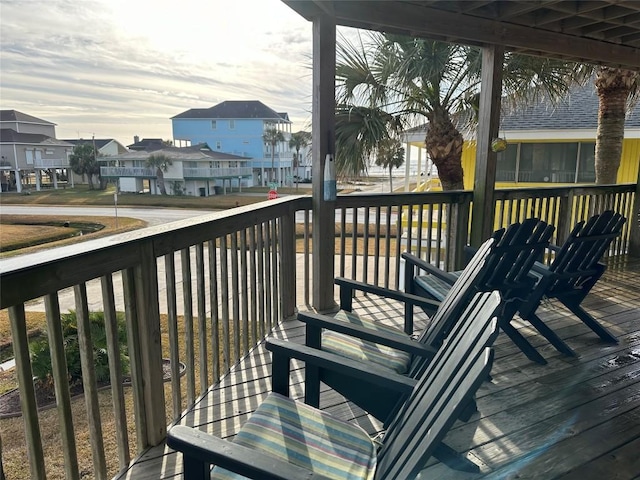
507	270
433	405
380	345
574	270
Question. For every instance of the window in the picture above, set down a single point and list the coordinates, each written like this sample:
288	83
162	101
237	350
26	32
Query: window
232	124
214	124
562	162
218	145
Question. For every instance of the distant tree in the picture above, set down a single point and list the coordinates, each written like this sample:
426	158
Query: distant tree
273	136
390	155
615	88
83	161
161	163
298	140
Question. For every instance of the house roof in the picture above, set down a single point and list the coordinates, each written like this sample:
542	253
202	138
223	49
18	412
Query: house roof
577	110
98	142
235	109
16	116
9	135
147	144
193	153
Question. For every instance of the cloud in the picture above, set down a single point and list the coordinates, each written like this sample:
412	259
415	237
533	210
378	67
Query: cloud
117	68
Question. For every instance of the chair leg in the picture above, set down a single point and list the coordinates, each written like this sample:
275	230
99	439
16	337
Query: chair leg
468	410
522	343
453	459
550	335
591	322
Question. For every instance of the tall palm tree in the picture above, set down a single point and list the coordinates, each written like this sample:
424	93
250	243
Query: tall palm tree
419	78
390	155
83	161
161	163
615	88
273	136
298	140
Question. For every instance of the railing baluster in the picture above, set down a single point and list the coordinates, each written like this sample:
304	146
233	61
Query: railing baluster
224	300
376	260
235	301
275	277
307	263
254	283
262	298
61	384
187	299
202	318
354	243
28	404
387	248
365	247
172	321
343	248
268	279
244	291
215	318
115	370
89	382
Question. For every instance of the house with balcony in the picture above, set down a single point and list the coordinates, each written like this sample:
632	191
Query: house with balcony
106	147
237	127
30	154
195	170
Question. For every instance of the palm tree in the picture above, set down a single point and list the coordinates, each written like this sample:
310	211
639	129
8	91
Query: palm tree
161	163
83	162
390	155
273	136
615	88
416	78
359	131
298	140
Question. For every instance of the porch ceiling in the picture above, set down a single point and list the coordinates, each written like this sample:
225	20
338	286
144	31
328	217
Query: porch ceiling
603	32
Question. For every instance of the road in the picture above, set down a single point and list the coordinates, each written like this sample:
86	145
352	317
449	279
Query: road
153	216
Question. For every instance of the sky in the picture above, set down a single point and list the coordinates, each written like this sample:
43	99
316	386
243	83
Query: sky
115	69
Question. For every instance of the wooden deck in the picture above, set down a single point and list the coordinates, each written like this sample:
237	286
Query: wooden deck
573	418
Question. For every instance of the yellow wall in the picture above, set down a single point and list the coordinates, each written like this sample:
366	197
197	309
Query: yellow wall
627	173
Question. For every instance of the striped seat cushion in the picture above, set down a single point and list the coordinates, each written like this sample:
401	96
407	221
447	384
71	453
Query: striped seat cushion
355	348
434	286
307	437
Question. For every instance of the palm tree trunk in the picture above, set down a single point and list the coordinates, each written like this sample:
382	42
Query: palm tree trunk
160	181
613	87
444	145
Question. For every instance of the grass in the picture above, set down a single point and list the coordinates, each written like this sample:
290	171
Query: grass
14	453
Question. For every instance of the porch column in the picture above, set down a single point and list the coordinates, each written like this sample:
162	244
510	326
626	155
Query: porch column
55	179
488	127
323	141
38	175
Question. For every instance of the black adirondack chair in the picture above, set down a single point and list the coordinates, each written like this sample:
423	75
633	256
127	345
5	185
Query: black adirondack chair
507	270
576	267
286	439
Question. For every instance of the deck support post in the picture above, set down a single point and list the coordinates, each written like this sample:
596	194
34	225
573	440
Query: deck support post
323	132
488	128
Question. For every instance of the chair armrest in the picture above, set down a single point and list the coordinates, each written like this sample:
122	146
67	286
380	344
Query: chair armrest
409	298
201	450
283	351
398	341
413	261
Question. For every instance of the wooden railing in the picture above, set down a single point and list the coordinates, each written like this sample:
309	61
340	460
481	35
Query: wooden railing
203	291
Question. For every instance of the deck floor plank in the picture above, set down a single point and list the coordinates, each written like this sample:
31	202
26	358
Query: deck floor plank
574	418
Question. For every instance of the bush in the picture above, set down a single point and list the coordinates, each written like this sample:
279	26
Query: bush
41	354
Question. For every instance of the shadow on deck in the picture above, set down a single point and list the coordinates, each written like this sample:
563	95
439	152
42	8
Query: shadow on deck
572	418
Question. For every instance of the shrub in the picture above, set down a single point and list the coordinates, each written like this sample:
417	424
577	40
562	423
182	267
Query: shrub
41	354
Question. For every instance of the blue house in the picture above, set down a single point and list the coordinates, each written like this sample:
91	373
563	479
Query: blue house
237	128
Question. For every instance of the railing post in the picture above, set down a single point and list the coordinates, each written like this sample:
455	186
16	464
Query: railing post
460	228
148	309
634	223
288	264
565	212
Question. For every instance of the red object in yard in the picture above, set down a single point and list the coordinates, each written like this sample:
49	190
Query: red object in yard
272	195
